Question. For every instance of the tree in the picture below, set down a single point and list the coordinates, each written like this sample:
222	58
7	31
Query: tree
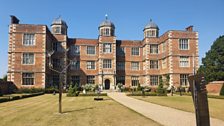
213	64
4	78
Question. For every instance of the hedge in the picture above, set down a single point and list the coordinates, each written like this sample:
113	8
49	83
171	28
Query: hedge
11	98
88	94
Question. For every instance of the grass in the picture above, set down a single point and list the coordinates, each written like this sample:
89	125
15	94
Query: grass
185	103
77	111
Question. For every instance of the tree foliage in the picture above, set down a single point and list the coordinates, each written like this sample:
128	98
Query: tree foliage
213	63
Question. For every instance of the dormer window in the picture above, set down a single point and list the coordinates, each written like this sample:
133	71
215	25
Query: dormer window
57	30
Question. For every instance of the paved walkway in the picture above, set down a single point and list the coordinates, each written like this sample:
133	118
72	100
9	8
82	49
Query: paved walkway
163	115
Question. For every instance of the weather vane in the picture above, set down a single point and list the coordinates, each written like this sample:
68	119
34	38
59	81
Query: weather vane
106	16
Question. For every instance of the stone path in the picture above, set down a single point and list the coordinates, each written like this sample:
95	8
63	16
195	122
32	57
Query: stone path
163	115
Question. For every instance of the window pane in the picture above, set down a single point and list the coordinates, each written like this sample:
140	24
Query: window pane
135	51
75	80
154	80
107	63
134	80
183	44
154	64
154	49
90	64
107	48
29	39
90	50
135	65
28	58
184	61
28	78
90	79
184	79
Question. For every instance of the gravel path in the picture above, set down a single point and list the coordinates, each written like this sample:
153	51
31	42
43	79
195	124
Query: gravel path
163	115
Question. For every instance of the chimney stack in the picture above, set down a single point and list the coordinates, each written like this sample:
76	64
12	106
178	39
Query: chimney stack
14	19
189	28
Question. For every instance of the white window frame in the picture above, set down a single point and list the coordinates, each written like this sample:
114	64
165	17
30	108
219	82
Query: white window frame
33	77
26	62
134	81
154	64
184	61
107	49
184	80
184	44
135	51
154	49
26	41
154	80
88	49
107	63
90	65
135	66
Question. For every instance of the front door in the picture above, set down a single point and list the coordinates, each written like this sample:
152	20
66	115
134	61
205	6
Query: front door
107	84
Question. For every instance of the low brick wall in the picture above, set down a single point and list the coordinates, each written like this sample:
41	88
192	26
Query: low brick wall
7	87
214	88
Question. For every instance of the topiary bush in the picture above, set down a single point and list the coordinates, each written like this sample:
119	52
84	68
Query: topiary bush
160	90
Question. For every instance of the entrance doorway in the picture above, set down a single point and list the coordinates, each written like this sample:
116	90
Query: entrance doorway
107	84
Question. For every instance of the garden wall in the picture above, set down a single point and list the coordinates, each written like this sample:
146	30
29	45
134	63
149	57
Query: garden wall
215	87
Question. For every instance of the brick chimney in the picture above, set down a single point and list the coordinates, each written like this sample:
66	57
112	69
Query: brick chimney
189	28
14	19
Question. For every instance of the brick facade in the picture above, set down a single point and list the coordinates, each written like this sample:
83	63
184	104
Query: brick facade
142	68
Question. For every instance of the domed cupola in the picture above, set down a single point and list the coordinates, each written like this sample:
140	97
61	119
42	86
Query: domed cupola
151	30
59	26
106	28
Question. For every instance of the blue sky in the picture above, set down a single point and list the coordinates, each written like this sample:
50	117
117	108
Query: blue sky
129	16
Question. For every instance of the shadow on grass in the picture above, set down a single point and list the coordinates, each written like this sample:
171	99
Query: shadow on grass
76	110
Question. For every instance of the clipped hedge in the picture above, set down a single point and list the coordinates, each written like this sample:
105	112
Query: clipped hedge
140	94
222	91
88	94
11	98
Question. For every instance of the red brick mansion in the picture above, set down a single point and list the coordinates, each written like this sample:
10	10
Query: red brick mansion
104	60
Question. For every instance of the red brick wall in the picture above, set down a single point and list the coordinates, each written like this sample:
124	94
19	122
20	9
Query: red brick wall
215	87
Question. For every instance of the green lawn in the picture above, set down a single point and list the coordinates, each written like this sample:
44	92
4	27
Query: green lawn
78	111
216	106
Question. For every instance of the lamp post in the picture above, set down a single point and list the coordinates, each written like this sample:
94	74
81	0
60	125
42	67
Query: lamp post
61	72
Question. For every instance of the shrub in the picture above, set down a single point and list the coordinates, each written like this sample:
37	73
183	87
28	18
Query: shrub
15	97
93	94
51	90
73	91
139	93
222	91
1	92
4	99
139	87
30	90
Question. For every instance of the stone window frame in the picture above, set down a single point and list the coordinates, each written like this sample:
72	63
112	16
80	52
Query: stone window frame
184	44
134	81
89	50
90	79
184	61
154	64
135	51
107	63
90	65
29	39
154	80
107	49
184	80
135	66
26	60
27	79
154	49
